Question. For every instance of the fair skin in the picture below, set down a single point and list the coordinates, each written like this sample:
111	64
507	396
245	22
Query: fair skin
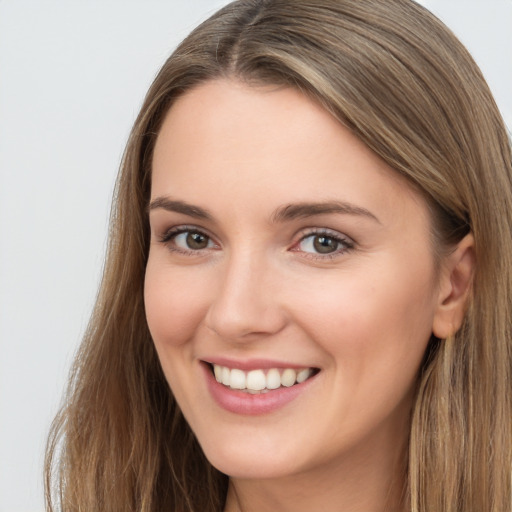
245	273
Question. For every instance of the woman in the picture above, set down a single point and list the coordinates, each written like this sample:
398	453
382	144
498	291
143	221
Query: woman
306	300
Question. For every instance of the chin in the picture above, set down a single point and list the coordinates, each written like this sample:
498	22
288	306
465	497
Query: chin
240	462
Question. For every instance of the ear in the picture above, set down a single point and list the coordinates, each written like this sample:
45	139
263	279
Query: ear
454	288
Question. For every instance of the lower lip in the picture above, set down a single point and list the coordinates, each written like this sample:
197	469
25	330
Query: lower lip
240	402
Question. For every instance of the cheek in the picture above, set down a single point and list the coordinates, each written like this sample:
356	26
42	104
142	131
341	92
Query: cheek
175	305
375	332
372	322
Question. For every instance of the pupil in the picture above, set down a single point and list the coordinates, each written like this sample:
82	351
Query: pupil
197	241
325	244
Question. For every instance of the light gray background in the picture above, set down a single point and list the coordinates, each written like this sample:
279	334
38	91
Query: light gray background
72	77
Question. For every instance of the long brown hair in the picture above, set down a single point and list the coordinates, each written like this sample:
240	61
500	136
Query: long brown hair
402	83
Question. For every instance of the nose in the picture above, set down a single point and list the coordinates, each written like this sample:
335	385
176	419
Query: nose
246	304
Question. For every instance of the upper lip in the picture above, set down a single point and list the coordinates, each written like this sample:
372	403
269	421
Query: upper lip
254	364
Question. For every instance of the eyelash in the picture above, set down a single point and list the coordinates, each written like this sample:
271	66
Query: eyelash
170	235
346	243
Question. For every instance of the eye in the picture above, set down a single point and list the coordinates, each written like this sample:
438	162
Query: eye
187	240
323	244
192	240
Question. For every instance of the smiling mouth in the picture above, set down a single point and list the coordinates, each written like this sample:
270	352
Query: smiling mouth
260	381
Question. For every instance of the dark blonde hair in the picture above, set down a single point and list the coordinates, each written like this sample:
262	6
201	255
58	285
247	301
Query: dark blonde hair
403	84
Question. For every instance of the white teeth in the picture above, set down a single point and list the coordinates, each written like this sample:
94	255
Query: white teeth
303	375
256	381
273	379
288	377
238	379
226	376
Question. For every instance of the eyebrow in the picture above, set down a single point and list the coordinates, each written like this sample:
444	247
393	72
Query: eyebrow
172	205
302	210
284	213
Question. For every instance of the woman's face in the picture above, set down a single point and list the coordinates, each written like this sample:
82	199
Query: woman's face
283	249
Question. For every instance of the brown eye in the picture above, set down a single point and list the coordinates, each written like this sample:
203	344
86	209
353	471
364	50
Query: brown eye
196	241
325	244
189	241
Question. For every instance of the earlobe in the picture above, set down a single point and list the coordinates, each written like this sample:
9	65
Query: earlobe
455	288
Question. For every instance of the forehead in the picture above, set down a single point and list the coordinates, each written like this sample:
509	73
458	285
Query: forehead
232	145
